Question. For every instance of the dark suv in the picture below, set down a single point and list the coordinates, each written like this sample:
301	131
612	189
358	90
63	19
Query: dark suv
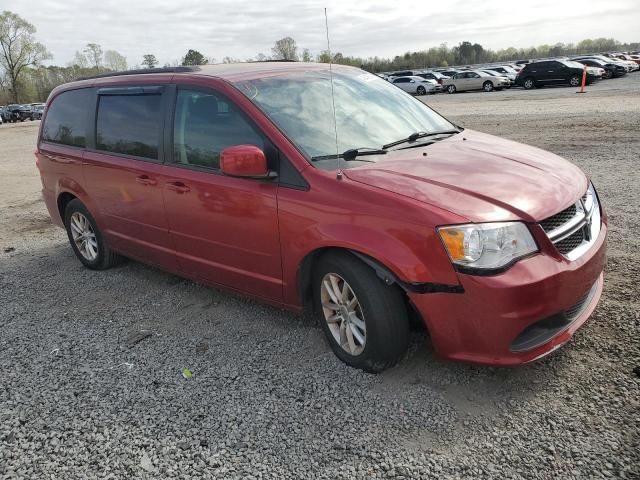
552	72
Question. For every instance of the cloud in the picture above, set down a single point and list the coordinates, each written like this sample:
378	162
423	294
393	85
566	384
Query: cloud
242	29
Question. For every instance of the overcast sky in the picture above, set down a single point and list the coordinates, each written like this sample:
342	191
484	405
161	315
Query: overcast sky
242	29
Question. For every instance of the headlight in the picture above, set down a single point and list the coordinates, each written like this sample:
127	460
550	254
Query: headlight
485	248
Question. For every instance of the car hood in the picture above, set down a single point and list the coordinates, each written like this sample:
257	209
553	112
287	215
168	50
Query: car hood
480	177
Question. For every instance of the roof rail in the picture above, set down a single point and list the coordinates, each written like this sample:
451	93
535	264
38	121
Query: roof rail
142	71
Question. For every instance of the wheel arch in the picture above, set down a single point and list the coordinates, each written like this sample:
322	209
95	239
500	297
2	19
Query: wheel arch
63	200
384	272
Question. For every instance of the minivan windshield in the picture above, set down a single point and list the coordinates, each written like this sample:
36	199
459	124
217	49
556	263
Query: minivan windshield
370	112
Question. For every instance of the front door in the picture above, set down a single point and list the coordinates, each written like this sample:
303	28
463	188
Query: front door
224	229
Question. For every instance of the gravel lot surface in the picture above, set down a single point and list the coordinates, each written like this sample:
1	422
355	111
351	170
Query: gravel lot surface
268	399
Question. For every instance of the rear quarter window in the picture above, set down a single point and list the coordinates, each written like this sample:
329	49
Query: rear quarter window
66	119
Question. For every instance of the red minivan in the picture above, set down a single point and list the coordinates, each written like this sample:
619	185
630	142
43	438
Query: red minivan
333	190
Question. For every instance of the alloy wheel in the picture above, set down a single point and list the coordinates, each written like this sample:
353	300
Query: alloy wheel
343	314
83	236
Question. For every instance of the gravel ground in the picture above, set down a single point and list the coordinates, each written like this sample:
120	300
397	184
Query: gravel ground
268	399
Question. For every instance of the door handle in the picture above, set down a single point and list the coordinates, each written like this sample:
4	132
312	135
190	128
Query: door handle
178	187
145	180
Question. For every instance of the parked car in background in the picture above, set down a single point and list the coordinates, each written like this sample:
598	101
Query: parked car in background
449	72
493	73
611	70
506	70
499	248
627	59
19	113
415	85
436	76
630	66
36	111
553	72
4	114
475	80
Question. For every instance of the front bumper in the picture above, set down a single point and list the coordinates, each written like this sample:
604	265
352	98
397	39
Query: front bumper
482	324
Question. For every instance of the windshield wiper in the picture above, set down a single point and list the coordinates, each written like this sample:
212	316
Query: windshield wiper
351	154
415	136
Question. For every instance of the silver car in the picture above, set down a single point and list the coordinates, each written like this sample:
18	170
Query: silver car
415	85
475	80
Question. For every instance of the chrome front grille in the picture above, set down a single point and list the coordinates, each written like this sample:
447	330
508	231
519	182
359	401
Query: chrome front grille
575	229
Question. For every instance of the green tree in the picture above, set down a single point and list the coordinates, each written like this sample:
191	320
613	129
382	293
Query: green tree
285	49
150	60
19	49
306	55
194	57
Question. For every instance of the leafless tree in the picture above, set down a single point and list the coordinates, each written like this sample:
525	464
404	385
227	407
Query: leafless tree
19	48
114	61
93	51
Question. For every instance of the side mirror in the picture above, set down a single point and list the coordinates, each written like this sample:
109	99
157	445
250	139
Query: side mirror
245	161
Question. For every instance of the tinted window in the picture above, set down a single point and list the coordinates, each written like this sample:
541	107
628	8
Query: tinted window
66	121
129	124
206	124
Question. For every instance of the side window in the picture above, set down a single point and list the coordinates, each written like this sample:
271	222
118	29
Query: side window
129	124
66	120
204	125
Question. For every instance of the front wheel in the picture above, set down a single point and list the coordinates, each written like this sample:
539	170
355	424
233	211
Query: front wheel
574	81
421	91
528	83
364	320
487	86
451	89
86	239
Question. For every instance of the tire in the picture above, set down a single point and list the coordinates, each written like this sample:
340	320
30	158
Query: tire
379	307
451	89
608	74
574	81
104	256
421	91
487	86
528	83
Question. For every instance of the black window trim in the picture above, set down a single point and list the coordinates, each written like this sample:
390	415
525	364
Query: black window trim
124	90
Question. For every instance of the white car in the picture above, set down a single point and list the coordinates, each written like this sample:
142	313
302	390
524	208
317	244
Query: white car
415	85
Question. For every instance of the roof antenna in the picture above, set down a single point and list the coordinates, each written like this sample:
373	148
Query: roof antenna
333	101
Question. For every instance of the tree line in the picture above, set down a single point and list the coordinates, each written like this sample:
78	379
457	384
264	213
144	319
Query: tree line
25	78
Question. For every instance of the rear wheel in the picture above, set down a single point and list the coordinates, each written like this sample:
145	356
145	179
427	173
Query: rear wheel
608	74
421	91
365	320
86	239
487	86
528	83
451	89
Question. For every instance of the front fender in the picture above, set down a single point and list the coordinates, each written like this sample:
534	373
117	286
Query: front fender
412	258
